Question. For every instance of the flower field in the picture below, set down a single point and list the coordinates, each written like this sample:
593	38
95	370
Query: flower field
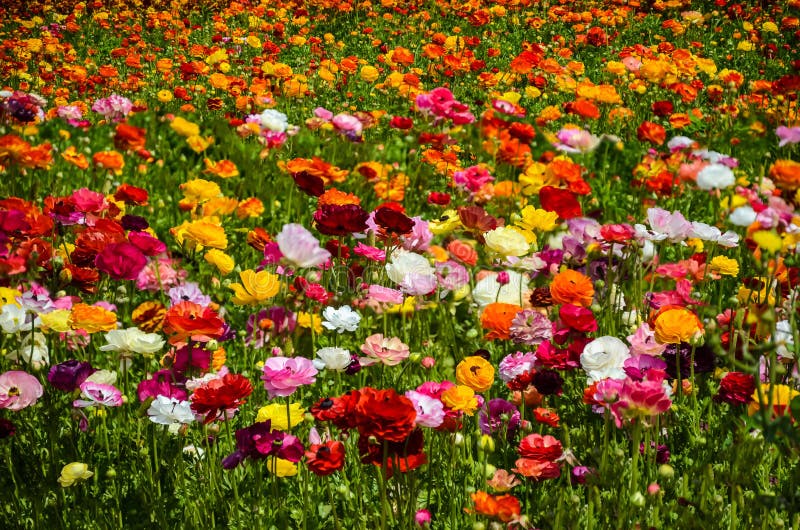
393	265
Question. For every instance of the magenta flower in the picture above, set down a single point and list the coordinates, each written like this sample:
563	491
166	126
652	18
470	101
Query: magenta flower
19	390
98	394
430	410
379	349
113	108
121	261
283	375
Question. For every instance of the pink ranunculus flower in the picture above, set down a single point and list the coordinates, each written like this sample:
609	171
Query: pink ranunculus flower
98	394
86	200
640	400
387	295
113	108
300	247
643	342
121	261
430	410
347	123
149	245
18	390
283	375
379	349
788	135
369	252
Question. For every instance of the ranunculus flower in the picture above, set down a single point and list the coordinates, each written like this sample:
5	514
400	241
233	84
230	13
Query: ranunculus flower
19	390
674	325
507	241
170	411
388	351
283	375
132	340
340	319
332	358
300	247
476	373
603	358
736	388
98	394
256	287
121	261
572	287
385	415
73	473
561	201
430	411
69	375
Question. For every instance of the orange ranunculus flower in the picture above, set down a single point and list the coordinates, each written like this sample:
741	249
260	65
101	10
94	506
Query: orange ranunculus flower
496	319
37	157
252	207
339	198
651	132
92	318
75	158
785	174
572	287
674	324
476	373
188	320
223	169
463	252
503	507
315	166
110	160
256	287
129	138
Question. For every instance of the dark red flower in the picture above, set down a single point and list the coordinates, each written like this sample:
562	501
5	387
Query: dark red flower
340	220
663	108
218	395
393	222
324	459
563	202
401	122
476	219
308	183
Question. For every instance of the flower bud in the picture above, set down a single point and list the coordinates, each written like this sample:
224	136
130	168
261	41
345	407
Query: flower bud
666	471
637	499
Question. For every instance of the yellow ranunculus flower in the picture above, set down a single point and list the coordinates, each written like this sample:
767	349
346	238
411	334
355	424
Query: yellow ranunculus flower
506	241
304	320
781	397
9	296
476	373
184	127
256	287
276	414
369	73
57	320
199	190
198	144
207	234
461	398
220	260
724	266
537	219
280	467
74	472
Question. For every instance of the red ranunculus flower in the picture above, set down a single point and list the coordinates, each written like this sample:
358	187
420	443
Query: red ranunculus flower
439	198
563	202
384	414
338	410
401	122
538	447
340	220
218	395
736	388
131	195
403	455
651	132
189	320
324	459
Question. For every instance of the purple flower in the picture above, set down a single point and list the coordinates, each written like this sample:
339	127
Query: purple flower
500	415
188	292
788	135
69	375
160	383
250	442
283	375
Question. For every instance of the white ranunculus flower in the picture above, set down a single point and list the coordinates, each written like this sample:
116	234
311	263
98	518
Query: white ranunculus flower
170	411
705	232
507	242
341	319
715	177
103	377
274	121
489	290
299	246
32	351
332	358
404	263
603	357
742	216
784	338
12	319
133	340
